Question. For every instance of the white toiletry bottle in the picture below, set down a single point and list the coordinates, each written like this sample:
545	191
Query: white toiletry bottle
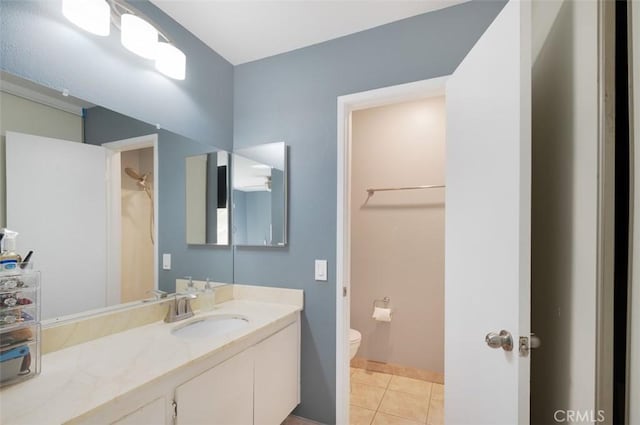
9	260
208	297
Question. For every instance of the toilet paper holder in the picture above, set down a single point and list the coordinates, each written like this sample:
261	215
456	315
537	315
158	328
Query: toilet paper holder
383	303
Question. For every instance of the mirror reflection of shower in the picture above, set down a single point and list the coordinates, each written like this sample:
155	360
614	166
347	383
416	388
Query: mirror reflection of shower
144	183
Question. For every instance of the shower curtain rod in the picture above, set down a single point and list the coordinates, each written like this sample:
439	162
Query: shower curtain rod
371	191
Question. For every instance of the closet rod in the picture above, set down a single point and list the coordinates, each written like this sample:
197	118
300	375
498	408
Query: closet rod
384	189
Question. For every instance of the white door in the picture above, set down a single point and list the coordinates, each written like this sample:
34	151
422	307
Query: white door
56	200
488	203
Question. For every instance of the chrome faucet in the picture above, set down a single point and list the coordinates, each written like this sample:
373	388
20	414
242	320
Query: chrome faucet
179	308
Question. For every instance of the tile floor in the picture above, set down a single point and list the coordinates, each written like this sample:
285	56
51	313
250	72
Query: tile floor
384	399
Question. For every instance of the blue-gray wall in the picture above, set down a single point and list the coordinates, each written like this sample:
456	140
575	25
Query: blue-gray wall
102	125
292	97
41	45
258	212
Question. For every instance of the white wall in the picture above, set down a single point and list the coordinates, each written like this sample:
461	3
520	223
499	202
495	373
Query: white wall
564	216
634	393
25	116
137	254
397	238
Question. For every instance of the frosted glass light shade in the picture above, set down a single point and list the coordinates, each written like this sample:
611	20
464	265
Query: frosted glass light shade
138	36
93	16
171	61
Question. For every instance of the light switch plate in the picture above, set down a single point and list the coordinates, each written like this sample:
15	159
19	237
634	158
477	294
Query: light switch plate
321	270
166	261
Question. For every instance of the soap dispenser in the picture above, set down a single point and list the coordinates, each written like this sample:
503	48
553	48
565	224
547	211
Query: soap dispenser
208	297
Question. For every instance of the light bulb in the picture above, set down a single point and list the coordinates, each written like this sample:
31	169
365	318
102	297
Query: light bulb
138	36
90	15
171	61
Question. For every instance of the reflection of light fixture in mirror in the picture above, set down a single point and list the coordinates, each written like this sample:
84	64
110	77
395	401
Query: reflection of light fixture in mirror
138	33
138	36
170	61
90	15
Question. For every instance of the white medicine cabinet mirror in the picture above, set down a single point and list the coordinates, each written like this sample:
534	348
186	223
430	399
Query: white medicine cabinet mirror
260	195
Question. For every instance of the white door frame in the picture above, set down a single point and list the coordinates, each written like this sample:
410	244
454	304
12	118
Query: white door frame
346	105
114	213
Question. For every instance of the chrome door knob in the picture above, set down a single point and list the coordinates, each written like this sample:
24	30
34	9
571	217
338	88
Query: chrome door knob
502	340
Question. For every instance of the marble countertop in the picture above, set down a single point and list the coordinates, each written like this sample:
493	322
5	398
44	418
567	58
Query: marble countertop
76	380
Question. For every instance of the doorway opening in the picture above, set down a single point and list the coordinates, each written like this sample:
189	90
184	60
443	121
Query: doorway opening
390	259
133	218
397	261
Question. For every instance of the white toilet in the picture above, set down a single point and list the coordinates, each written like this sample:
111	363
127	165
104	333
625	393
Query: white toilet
354	342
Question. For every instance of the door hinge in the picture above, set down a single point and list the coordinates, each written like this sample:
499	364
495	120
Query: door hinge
344	291
528	343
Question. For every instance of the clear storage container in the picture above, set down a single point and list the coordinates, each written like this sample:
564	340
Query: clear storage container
19	324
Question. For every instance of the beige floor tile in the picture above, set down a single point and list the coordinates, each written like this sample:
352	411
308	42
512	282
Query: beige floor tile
366	396
360	416
384	419
371	378
410	385
437	392
436	412
405	405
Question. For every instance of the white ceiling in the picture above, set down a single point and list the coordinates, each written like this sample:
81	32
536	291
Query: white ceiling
243	31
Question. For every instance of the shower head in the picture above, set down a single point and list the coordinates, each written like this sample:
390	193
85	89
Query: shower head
131	173
141	179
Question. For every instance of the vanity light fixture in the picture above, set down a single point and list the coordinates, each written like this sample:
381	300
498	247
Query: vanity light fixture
170	61
93	16
138	34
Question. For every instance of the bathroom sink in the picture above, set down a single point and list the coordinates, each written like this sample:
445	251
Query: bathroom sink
210	326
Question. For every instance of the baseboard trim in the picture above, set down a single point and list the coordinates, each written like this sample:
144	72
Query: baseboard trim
406	371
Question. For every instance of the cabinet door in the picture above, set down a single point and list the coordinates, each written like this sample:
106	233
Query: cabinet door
277	378
222	395
151	413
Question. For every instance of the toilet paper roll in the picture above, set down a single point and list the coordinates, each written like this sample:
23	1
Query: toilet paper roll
382	314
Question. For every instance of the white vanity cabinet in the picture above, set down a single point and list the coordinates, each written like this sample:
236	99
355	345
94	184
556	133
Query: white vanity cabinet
255	385
277	376
259	386
154	412
221	395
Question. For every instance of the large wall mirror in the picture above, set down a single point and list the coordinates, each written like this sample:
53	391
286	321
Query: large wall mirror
97	241
260	195
207	198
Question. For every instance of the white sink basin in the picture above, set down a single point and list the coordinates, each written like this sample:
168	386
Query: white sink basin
210	326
